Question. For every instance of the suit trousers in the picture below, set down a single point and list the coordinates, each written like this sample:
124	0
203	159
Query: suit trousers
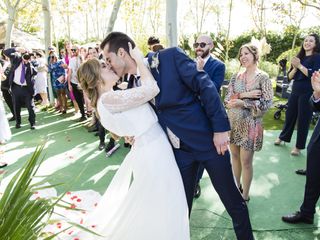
312	187
298	109
220	172
21	97
78	95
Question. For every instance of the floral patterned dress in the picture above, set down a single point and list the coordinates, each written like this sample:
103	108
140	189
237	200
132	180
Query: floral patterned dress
246	122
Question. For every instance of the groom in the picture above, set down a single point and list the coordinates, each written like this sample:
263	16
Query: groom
198	131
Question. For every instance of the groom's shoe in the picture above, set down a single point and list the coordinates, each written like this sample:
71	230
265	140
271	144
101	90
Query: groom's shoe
197	191
297	217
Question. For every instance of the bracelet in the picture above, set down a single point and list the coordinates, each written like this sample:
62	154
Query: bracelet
300	67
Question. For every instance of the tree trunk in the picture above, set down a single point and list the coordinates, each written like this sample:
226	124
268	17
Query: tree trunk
48	38
98	20
171	22
228	31
114	14
10	25
68	21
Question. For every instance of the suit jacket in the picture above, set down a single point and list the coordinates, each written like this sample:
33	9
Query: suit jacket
15	62
216	70
178	106
316	132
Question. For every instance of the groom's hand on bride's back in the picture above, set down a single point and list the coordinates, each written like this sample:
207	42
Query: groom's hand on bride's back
221	142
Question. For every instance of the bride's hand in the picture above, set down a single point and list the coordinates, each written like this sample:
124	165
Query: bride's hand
135	53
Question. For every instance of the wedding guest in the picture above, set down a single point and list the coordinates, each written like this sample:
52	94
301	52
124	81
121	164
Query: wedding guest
73	83
40	81
21	84
302	66
59	81
312	187
214	68
5	86
248	97
153	42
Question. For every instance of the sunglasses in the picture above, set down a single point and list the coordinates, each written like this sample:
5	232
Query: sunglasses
202	44
73	50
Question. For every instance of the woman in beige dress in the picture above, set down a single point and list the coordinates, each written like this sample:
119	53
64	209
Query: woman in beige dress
249	96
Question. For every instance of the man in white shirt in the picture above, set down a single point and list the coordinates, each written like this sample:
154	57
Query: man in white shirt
73	83
21	83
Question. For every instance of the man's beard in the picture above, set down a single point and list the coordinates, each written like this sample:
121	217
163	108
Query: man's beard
204	53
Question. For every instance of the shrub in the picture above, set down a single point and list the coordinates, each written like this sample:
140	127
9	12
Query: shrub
232	67
270	68
20	216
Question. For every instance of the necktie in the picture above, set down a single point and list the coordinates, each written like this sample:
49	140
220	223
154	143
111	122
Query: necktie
23	73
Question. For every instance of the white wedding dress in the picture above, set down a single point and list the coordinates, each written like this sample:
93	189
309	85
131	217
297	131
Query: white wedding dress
146	198
5	132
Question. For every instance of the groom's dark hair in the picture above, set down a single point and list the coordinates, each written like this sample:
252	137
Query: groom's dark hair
117	40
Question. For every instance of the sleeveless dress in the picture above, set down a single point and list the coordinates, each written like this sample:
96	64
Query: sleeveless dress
146	199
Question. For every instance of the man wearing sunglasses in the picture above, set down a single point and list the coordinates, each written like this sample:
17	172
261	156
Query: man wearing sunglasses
212	66
215	69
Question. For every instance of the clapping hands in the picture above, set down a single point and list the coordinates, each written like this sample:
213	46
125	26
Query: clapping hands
315	81
295	62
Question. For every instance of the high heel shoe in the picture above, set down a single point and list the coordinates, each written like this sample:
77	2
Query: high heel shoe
278	142
295	152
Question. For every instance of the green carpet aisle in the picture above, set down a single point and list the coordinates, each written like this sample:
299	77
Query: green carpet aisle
72	158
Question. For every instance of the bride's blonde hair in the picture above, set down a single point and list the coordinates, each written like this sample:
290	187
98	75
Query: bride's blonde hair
89	76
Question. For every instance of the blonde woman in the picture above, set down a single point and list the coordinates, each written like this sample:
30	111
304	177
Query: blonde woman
249	96
136	204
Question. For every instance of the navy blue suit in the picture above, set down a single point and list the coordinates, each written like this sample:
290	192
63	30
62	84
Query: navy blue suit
21	95
312	187
179	108
216	70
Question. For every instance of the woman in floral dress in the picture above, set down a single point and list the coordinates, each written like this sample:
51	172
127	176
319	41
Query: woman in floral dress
249	96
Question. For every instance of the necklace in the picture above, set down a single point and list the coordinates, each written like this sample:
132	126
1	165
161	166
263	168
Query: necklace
249	81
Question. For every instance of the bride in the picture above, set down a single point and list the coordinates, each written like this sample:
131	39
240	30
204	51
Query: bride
146	199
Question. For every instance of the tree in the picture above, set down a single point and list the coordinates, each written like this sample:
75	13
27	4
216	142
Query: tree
171	22
258	13
294	12
228	31
46	7
114	14
199	12
12	9
308	3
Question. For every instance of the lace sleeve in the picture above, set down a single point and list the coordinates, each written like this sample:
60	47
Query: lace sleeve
117	101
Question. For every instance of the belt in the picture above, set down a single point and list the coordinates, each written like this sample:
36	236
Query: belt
22	86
